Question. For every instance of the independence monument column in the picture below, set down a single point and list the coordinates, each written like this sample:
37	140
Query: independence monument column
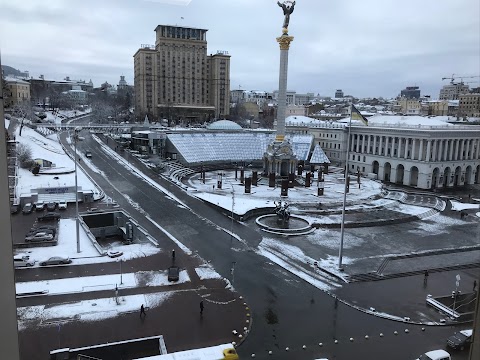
279	159
284	42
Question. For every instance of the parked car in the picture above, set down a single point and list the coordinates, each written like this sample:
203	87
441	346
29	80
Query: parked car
14	209
435	355
51	206
114	253
20	261
45	227
34	231
49	216
88	154
56	260
39	236
39	206
27	208
460	340
62	205
173	273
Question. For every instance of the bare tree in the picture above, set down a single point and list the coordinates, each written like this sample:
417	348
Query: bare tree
23	111
54	97
24	156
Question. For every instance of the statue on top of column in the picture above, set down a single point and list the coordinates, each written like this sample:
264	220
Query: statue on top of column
287	7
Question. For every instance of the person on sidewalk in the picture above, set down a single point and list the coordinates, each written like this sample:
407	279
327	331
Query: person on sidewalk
474	285
425	278
142	311
201	307
173	255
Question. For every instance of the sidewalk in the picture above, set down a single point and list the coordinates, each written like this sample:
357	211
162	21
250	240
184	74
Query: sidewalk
406	296
178	319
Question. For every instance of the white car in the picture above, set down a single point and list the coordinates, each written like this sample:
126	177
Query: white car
39	236
62	205
20	261
435	355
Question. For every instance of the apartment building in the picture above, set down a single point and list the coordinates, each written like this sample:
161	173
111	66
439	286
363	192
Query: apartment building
469	105
453	91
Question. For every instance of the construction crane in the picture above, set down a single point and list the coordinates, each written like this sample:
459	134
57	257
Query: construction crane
453	77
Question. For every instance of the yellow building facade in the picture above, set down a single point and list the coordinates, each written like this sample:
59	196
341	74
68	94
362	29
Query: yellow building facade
18	91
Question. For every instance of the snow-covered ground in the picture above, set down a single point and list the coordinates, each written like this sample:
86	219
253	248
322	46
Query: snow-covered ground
51	150
88	310
57	116
264	196
101	282
67	246
458	206
231	198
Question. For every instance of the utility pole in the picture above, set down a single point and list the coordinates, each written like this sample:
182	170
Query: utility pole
77	224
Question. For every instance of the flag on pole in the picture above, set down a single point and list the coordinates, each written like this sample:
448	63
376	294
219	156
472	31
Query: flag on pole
355	115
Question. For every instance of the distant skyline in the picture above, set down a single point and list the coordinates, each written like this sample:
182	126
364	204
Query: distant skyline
367	48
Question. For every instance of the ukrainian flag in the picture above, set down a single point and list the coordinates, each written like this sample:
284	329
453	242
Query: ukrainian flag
355	115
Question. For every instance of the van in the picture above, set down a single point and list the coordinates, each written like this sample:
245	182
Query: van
435	355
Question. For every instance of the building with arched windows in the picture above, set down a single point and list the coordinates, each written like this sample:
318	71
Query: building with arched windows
422	152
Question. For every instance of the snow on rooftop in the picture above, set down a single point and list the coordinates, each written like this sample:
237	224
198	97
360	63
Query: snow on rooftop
12	79
301	119
409	120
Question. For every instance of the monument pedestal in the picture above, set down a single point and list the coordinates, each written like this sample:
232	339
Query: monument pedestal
279	159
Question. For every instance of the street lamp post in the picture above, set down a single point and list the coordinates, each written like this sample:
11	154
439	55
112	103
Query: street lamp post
233	204
77	224
342	227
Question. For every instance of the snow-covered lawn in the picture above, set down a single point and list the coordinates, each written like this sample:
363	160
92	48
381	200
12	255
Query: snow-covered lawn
100	282
88	310
49	149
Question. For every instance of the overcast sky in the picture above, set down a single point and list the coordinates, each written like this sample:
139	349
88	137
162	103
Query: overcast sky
365	47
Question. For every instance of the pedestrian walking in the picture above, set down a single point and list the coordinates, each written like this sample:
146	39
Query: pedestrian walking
173	255
474	285
142	311
425	278
201	307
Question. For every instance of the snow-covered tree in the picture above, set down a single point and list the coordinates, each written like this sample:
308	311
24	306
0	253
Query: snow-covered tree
24	156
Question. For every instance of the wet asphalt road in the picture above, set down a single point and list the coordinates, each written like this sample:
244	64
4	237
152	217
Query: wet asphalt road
286	311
